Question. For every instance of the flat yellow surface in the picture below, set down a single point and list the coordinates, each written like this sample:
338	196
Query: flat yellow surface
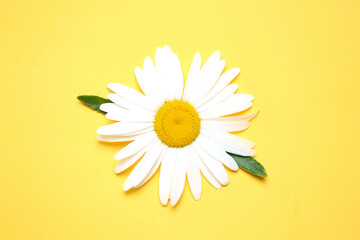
300	59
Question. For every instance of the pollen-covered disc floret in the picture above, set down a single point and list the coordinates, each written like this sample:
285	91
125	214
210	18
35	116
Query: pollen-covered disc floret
177	123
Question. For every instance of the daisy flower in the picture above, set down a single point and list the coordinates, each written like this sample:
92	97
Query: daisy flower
183	130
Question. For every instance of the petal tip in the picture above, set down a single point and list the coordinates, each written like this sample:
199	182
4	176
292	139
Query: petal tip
235	168
111	86
126	186
99	130
103	107
217	54
148	61
164	202
167	47
225	183
137	70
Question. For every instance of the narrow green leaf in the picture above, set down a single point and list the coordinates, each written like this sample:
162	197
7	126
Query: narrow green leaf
93	102
249	164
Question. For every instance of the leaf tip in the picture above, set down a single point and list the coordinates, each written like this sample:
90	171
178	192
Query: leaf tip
93	102
249	164
81	97
264	174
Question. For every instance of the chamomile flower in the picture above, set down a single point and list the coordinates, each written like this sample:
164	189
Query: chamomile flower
184	131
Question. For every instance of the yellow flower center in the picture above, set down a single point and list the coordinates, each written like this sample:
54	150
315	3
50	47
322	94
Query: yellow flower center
177	123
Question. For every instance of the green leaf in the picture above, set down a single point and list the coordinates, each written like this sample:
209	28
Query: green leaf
93	102
249	164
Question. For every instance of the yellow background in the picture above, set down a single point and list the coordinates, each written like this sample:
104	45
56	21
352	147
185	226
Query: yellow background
300	59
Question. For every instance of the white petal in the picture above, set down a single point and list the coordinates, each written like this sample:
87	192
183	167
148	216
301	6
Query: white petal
139	74
123	103
233	104
178	182
132	96
155	167
107	138
125	163
215	167
169	73
117	113
214	58
132	116
246	117
110	107
193	75
135	146
149	76
159	75
192	171
217	152
209	74
223	81
145	165
227	126
146	77
232	143
209	77
176	80
151	82
231	138
166	175
139	132
207	173
180	78
121	128
221	96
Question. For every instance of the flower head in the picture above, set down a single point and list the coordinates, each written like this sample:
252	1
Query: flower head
185	130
